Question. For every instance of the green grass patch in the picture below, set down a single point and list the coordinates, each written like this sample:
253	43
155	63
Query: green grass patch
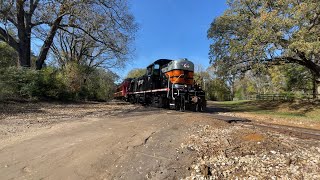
277	109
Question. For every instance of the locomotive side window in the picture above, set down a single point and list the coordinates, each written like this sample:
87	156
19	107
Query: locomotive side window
156	70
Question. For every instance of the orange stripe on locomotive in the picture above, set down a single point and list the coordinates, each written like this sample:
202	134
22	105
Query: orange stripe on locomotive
178	77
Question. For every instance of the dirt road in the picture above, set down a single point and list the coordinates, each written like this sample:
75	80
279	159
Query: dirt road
133	144
126	142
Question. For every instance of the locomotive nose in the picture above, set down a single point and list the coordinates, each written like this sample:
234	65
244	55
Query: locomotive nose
185	75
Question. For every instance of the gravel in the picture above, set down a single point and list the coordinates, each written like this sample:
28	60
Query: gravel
240	153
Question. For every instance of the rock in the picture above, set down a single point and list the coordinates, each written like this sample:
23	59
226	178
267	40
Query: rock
273	152
204	170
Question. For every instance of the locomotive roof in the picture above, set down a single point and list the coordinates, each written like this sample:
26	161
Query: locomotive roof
161	62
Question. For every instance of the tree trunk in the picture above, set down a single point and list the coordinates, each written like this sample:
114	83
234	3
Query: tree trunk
25	50
24	58
24	34
47	43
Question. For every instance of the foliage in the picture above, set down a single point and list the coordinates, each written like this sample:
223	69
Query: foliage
288	79
298	79
100	85
8	55
217	90
266	32
134	73
55	84
201	76
106	25
84	36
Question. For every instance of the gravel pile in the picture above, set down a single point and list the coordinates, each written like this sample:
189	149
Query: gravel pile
241	153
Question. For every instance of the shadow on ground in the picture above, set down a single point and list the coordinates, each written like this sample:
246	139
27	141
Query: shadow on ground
23	107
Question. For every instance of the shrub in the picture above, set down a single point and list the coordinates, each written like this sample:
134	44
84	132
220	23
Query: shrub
73	83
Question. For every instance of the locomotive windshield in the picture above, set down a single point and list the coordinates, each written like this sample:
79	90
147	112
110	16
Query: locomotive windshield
156	70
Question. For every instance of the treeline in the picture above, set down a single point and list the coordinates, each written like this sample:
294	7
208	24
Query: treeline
77	43
289	80
68	83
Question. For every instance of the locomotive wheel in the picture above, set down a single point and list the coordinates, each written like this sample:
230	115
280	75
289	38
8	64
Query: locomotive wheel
177	104
180	104
131	100
166	103
160	102
154	102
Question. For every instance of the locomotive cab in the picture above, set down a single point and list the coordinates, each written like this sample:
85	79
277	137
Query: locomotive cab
156	77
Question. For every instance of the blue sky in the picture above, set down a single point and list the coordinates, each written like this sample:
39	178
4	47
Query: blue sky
172	29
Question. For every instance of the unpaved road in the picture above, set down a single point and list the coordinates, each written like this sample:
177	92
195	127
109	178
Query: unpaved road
133	144
120	141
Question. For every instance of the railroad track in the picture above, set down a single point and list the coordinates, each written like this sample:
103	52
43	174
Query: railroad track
304	133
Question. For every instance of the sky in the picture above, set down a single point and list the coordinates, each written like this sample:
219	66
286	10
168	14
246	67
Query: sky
172	29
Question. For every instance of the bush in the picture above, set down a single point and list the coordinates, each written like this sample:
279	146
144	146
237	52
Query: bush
72	83
99	85
218	91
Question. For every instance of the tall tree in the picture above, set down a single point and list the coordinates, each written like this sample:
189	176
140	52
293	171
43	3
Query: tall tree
267	32
42	19
75	46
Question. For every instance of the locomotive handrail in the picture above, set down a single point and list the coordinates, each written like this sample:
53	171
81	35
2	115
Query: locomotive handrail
173	84
168	87
178	78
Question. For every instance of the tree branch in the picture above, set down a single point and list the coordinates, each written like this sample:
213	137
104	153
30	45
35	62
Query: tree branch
9	39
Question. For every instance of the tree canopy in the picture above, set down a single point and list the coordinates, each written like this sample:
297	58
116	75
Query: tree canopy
267	32
106	24
134	73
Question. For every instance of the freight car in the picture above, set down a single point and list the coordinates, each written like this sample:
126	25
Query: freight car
166	84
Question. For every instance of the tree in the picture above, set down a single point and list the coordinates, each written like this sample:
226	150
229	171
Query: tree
201	76
134	73
77	47
107	22
298	79
267	32
217	90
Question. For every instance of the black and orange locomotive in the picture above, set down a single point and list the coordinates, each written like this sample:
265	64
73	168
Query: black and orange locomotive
167	84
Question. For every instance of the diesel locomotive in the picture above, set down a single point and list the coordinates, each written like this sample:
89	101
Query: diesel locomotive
166	84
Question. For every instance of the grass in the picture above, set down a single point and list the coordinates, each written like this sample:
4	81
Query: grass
297	110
